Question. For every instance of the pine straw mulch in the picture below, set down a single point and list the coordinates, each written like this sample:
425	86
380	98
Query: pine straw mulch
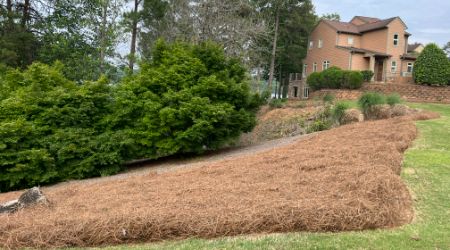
342	179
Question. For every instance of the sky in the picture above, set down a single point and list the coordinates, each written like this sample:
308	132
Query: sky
427	20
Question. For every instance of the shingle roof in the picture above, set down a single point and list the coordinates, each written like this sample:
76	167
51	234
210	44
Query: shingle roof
409	56
367	19
351	28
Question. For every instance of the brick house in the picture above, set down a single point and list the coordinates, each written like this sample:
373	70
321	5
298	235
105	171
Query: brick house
364	43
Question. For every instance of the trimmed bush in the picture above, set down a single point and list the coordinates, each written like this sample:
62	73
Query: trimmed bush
335	78
352	79
367	75
432	66
314	81
393	99
332	78
368	100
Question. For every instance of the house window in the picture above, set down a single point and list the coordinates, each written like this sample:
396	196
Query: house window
393	66
305	69
311	44
396	39
350	40
325	65
295	91
410	67
320	45
306	92
314	67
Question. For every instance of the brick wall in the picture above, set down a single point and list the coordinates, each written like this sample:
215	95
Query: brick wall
408	92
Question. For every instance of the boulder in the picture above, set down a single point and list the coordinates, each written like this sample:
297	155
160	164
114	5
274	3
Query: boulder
401	110
30	197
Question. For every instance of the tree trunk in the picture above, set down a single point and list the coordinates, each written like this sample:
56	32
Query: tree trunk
103	36
274	50
9	14
134	35
258	78
26	14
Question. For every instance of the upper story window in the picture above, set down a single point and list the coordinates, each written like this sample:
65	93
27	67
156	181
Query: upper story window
350	40
305	69
410	67
311	44
393	66
325	65
396	39
314	67
320	45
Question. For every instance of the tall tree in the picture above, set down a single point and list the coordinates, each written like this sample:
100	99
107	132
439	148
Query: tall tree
446	48
331	16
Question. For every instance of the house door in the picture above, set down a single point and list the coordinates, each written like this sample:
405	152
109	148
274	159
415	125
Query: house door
380	69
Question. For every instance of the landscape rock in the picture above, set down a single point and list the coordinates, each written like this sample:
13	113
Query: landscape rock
401	110
30	197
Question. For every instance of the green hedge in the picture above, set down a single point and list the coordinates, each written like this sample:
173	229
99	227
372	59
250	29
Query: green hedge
187	100
335	78
432	67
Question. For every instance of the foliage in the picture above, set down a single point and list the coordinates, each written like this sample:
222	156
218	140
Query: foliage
335	78
187	100
393	99
367	75
432	66
277	103
370	99
328	98
331	16
314	81
53	129
352	79
338	111
332	78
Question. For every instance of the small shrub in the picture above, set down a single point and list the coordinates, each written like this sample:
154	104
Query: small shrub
339	111
319	125
329	98
367	75
314	81
352	116
277	103
381	111
352	79
393	99
368	100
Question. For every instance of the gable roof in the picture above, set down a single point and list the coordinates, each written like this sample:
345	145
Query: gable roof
412	47
366	19
350	28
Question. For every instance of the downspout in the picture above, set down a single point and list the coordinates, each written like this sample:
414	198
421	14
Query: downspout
350	59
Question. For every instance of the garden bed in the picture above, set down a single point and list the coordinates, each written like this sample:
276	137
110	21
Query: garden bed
342	179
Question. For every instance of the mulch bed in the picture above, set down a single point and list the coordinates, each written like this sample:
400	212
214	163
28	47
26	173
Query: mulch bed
342	179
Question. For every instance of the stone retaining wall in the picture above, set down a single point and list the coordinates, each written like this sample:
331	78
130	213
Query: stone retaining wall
408	92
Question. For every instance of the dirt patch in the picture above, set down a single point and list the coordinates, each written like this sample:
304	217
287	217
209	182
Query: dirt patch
342	179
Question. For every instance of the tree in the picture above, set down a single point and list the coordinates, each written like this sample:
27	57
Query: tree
432	66
331	17
446	48
281	14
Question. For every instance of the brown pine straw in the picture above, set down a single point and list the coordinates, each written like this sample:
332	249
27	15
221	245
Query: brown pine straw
338	180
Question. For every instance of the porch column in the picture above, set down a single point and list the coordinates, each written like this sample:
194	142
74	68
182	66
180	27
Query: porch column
372	67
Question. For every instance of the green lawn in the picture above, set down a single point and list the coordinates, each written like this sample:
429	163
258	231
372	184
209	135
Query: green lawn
426	172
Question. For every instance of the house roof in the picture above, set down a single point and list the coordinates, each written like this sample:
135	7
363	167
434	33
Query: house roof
412	47
364	51
409	56
367	19
350	28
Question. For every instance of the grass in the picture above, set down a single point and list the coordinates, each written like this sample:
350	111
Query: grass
427	174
